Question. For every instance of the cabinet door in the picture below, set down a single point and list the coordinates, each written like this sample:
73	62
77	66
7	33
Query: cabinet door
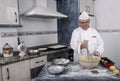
37	62
9	12
36	66
19	71
88	6
0	74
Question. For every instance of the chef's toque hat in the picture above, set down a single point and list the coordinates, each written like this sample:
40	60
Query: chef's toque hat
84	16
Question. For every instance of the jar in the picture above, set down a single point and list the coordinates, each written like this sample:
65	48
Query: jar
7	50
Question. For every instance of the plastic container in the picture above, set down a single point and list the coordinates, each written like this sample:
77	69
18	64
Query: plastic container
7	50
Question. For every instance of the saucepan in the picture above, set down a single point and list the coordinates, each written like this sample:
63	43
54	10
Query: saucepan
33	51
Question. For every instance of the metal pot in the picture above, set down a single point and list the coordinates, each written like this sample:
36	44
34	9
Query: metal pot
61	61
55	69
33	51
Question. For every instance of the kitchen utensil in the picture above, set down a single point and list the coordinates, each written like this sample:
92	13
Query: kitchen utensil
89	63
61	61
42	49
88	54
33	51
59	46
55	69
73	67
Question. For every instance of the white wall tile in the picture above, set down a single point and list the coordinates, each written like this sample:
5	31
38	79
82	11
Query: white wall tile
37	40
12	41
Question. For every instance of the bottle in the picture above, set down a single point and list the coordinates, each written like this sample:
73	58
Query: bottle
7	50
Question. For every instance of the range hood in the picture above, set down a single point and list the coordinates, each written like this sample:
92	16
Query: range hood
39	9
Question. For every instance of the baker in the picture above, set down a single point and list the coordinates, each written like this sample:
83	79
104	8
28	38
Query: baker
85	37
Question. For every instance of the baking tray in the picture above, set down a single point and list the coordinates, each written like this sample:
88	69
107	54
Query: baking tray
106	59
55	47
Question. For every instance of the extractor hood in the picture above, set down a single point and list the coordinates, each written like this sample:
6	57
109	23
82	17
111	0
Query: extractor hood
39	9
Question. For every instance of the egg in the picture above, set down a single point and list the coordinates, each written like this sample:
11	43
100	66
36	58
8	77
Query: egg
112	68
116	72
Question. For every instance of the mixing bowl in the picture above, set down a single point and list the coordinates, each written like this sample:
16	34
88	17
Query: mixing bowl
61	61
73	67
89	62
55	69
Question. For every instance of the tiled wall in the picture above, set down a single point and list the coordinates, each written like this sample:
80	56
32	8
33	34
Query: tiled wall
11	37
108	30
26	33
35	31
8	35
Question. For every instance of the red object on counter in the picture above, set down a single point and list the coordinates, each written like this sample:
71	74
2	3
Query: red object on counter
107	65
106	62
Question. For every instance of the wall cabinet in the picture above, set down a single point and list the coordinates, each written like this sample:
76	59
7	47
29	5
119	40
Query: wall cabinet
88	6
9	12
16	72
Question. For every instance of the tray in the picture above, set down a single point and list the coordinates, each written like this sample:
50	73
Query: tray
42	49
107	60
57	47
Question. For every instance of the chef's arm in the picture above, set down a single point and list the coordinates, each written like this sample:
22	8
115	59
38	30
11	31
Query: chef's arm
84	44
75	42
100	47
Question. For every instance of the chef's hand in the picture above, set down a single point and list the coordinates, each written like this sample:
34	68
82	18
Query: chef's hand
84	44
96	53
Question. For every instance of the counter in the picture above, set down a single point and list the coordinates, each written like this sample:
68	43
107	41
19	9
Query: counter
81	75
16	58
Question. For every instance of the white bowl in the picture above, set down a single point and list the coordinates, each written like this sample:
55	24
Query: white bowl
89	62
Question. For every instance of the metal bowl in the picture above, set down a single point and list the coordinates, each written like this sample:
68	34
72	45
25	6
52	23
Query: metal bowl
73	67
61	61
55	69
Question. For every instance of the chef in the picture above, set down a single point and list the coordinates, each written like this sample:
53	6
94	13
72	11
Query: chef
85	37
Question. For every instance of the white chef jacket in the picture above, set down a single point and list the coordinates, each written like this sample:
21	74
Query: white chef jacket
95	42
